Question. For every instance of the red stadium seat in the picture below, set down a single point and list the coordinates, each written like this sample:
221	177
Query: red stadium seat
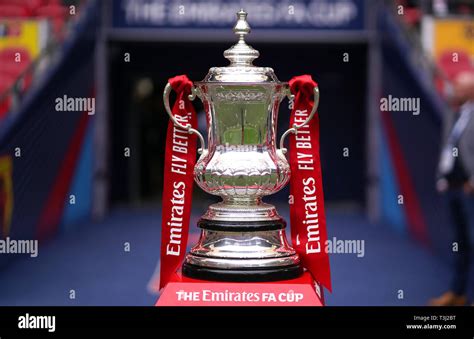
6	81
412	16
8	58
29	5
13	11
452	67
9	67
52	11
56	13
4	107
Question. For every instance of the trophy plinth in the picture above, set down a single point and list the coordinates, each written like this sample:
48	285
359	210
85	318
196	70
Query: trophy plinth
242	238
185	291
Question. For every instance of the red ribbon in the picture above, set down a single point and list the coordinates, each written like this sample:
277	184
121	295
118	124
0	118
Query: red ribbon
180	157
307	216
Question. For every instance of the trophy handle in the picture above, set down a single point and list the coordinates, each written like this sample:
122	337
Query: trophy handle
294	129
188	127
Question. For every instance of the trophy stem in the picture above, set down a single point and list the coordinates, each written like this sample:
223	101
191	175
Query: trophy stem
238	200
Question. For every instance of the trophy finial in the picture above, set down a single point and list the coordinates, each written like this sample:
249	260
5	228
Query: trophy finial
242	27
241	54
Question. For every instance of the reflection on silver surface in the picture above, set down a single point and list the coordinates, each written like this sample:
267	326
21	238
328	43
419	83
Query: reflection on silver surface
227	211
245	245
243	250
242	165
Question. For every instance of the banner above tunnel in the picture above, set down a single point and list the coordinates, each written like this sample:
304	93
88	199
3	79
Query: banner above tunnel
274	14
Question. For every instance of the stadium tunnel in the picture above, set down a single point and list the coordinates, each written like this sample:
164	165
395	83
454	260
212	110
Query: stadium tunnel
137	116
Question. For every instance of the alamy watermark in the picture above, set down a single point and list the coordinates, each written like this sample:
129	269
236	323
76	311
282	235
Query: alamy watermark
396	104
16	246
71	104
38	322
339	246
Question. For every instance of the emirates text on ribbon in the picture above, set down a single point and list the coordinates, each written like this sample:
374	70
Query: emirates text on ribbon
306	162
178	166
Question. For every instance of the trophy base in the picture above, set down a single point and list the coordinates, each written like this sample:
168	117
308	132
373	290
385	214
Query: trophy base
242	251
243	275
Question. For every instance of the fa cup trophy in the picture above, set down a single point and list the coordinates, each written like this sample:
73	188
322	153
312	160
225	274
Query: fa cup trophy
242	238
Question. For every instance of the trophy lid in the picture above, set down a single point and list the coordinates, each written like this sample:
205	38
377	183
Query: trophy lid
241	56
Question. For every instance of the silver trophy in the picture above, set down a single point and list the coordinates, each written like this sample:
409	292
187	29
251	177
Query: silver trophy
242	238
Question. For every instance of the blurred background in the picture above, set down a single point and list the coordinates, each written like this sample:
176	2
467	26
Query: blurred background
88	186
